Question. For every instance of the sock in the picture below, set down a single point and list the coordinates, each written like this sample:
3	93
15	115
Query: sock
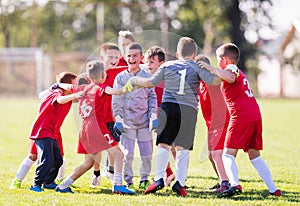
231	169
24	168
117	178
110	169
61	171
97	173
264	172
182	165
66	183
169	170
161	162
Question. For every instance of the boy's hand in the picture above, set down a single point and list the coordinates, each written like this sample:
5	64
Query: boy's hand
79	94
54	86
153	122
127	87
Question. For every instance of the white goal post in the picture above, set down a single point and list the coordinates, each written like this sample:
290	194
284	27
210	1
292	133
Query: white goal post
42	61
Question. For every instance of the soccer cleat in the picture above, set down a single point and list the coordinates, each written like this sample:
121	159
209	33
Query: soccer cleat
95	181
232	191
122	190
144	184
155	185
179	189
51	186
36	188
130	186
276	193
225	185
66	190
216	186
15	184
169	179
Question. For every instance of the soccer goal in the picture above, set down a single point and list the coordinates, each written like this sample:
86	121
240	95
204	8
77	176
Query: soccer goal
24	71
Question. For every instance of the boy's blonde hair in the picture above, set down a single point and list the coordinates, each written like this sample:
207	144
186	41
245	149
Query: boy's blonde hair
108	46
229	50
126	35
186	47
94	70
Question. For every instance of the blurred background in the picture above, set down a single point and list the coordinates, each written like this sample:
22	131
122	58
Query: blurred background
40	38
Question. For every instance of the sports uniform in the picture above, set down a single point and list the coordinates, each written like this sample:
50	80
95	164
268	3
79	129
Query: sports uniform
94	136
181	83
215	113
245	126
44	134
136	109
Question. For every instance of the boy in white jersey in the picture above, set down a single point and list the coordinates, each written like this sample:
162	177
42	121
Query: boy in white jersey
178	112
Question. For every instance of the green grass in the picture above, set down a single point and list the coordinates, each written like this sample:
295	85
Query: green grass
281	152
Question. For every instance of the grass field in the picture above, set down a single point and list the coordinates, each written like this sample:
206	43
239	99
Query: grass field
281	120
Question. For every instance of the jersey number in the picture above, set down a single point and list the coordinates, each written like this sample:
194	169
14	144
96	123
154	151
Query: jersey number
248	90
182	81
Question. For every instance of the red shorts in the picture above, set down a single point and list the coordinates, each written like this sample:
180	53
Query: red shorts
92	140
32	146
244	136
216	137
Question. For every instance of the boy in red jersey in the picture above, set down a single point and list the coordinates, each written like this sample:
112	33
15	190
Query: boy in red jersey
216	117
44	132
245	124
154	57
94	136
109	55
64	77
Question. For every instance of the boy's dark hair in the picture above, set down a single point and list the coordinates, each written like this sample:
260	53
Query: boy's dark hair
66	77
231	51
94	69
83	79
108	46
202	58
126	35
134	45
186	46
155	51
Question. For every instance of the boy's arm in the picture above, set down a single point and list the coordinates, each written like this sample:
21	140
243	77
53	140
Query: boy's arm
70	97
136	81
113	91
223	74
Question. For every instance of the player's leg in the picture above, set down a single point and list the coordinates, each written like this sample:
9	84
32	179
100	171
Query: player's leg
88	163
118	156
128	145
145	144
95	182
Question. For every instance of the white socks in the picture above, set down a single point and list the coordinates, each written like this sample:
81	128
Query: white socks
161	162
182	165
117	178
264	172
61	171
24	168
231	169
66	183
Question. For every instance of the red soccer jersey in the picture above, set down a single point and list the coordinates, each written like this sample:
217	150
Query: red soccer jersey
106	114
94	136
159	90
122	62
213	106
241	103
51	114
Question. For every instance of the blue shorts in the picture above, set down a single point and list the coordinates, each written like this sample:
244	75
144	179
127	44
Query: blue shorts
176	125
